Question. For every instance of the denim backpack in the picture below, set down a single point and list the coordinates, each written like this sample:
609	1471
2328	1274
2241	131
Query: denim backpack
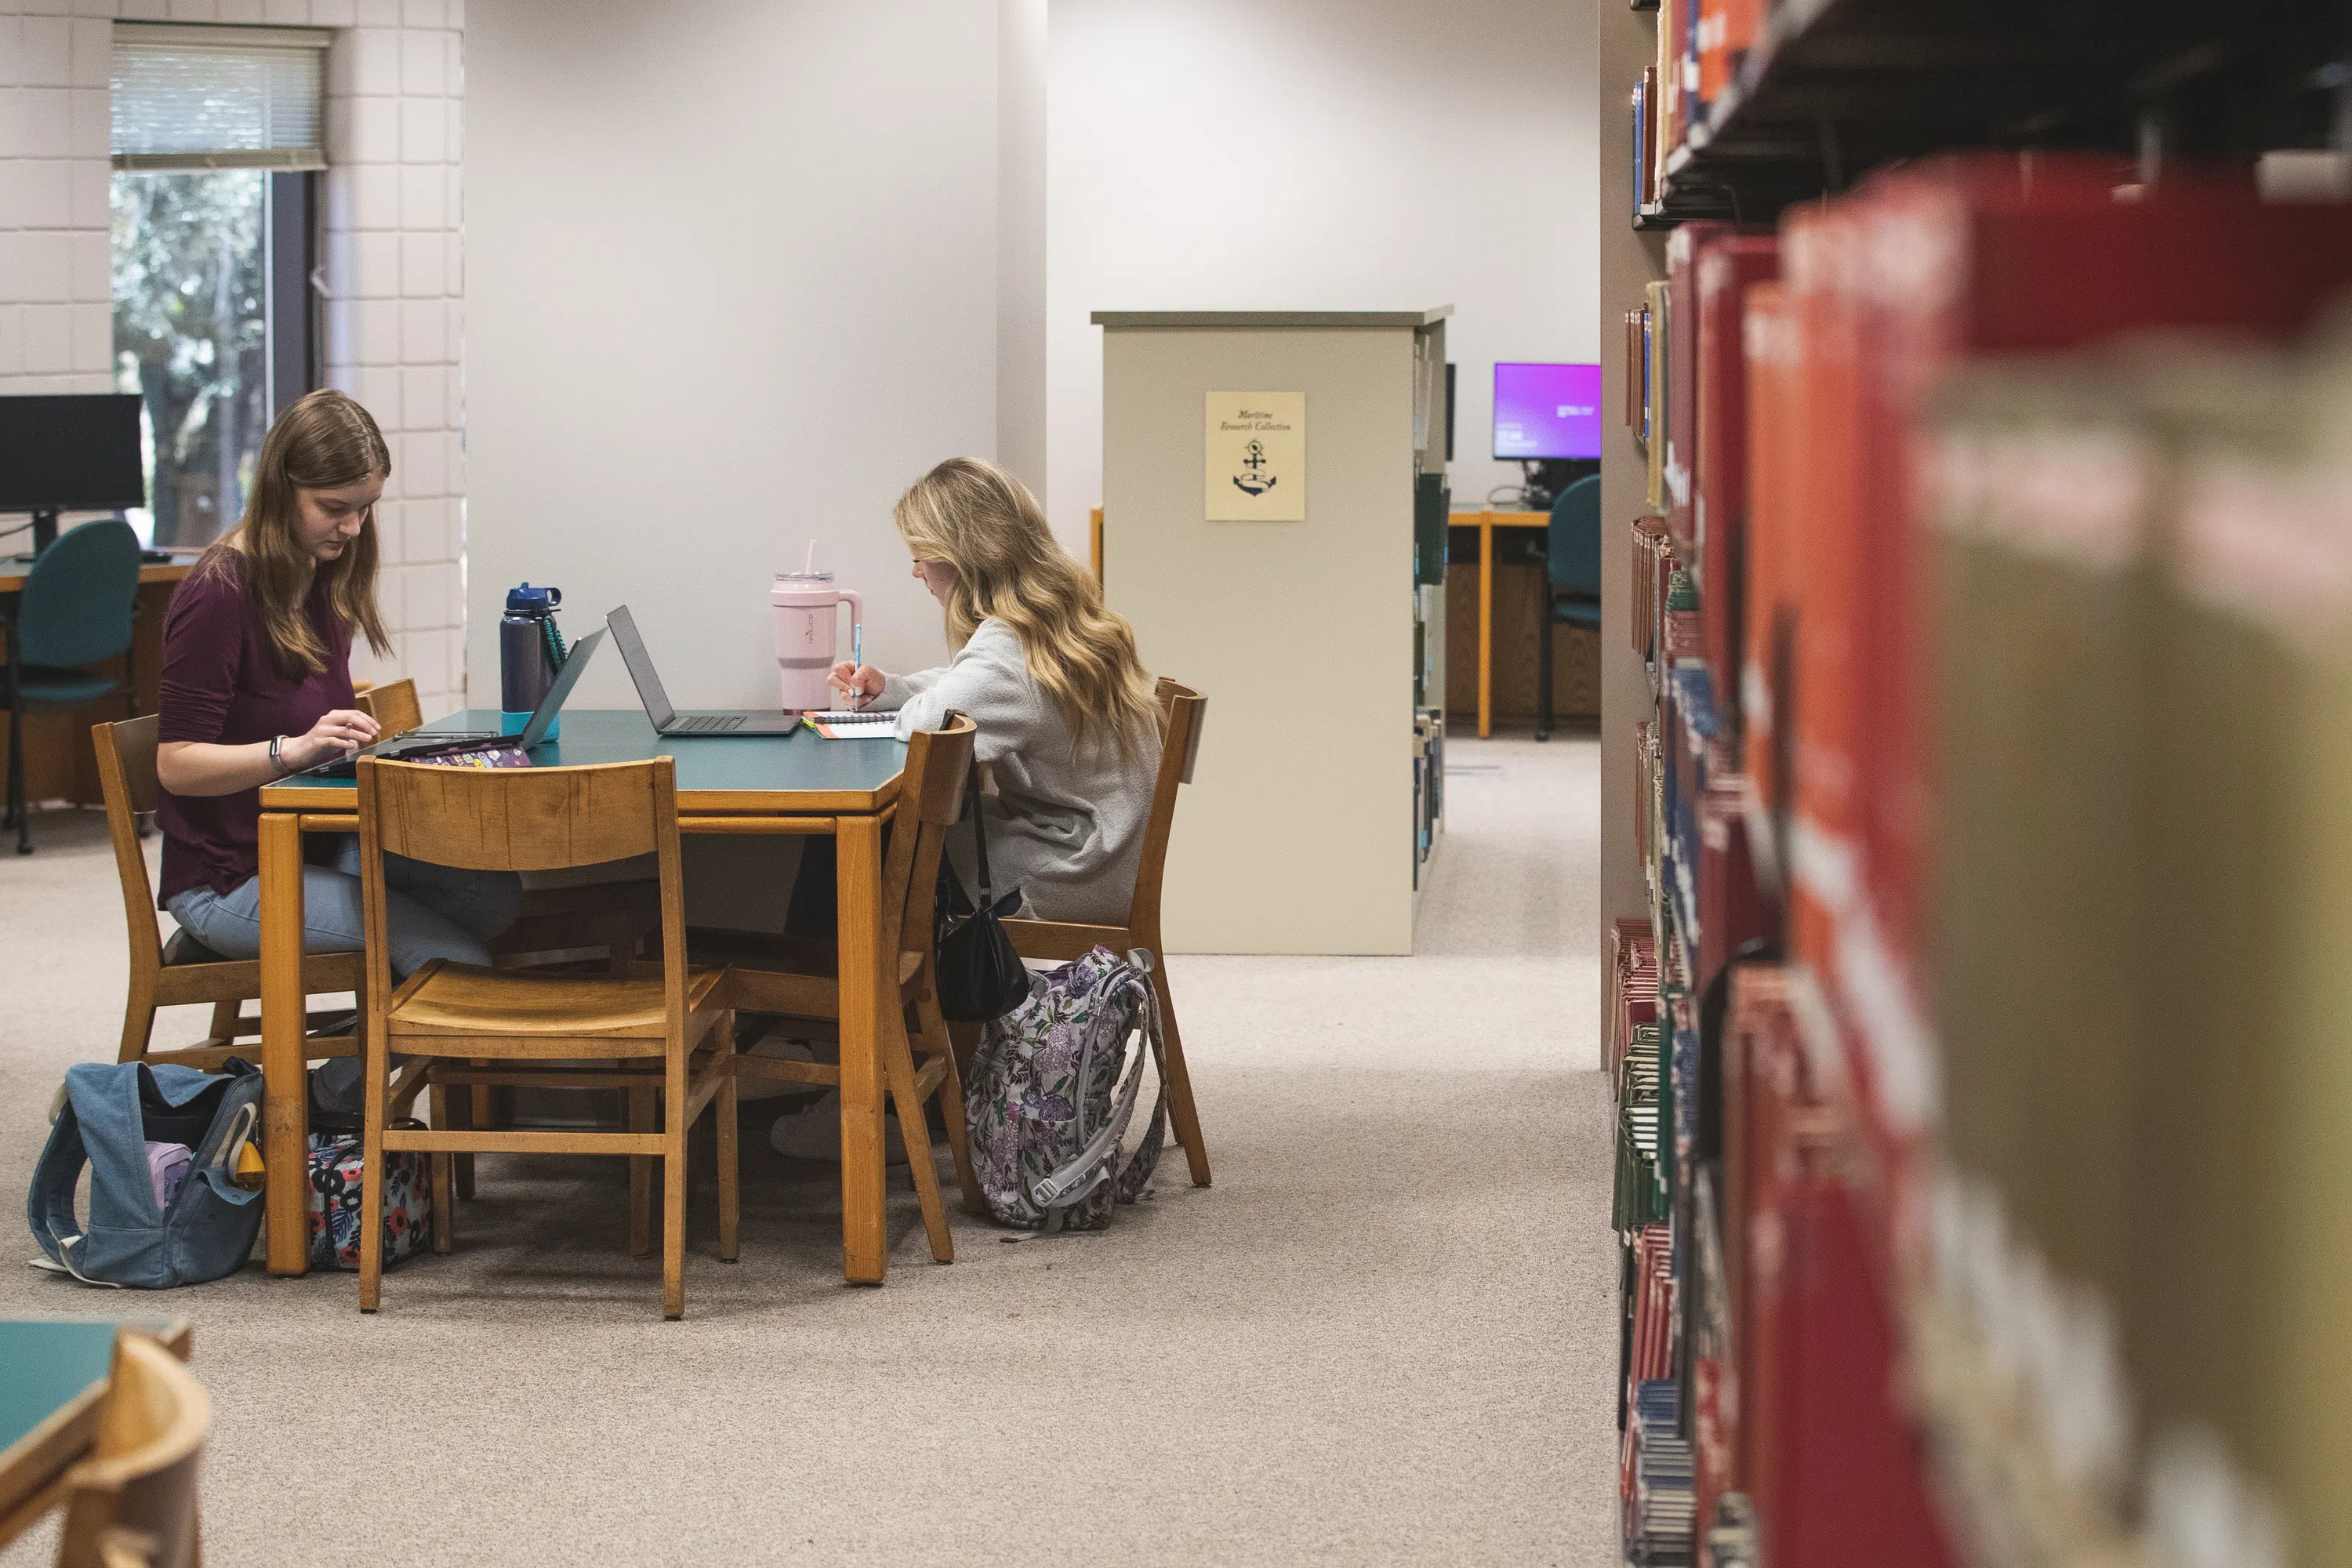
1052	1088
113	1112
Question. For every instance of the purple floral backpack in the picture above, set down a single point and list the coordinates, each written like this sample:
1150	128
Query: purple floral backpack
1053	1087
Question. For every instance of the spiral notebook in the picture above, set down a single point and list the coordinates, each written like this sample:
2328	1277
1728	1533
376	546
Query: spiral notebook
854	725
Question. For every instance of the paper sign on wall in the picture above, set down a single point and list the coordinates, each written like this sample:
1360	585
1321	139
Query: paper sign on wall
1257	457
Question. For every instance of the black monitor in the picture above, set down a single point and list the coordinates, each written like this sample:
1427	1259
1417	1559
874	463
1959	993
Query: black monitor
69	454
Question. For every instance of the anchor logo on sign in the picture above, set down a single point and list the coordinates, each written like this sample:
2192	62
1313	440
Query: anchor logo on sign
1255	480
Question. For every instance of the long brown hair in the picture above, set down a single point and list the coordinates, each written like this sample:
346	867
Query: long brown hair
324	442
985	524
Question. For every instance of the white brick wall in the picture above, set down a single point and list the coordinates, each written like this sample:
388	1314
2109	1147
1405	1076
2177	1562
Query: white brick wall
396	321
56	328
391	250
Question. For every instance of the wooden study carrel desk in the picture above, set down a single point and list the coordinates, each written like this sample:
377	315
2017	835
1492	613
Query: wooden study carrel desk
1485	523
796	783
58	764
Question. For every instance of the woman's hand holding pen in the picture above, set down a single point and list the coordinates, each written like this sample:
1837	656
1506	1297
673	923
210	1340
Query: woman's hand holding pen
860	683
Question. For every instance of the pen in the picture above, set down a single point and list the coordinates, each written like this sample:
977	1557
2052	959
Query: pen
856	662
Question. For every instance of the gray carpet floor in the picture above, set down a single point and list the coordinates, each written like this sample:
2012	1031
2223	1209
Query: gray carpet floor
1385	1335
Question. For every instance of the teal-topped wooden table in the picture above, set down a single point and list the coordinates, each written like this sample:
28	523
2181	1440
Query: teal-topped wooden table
53	1377
800	783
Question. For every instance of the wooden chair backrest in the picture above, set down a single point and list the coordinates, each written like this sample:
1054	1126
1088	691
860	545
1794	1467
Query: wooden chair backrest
1181	709
126	777
392	705
140	1478
930	798
519	819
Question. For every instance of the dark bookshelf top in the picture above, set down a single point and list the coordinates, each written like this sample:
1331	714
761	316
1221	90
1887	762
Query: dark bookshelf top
1837	87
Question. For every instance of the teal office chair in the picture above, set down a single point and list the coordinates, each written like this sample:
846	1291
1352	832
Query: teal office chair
1571	579
77	609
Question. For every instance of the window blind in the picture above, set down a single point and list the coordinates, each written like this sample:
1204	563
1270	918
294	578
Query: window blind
217	97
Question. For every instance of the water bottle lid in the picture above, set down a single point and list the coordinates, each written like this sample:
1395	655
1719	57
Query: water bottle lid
528	600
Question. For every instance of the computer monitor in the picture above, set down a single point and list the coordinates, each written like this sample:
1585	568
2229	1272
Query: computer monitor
1547	411
69	454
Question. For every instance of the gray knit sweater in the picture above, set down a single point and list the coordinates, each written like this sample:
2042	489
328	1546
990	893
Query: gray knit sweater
1066	826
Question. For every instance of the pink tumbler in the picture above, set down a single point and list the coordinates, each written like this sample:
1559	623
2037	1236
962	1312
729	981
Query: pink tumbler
806	628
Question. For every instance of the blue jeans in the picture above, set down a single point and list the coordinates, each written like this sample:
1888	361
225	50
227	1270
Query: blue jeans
435	912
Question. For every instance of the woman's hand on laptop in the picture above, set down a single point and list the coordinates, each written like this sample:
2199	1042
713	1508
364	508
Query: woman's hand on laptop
336	734
860	683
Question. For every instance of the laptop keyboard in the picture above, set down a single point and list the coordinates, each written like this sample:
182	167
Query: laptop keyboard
710	721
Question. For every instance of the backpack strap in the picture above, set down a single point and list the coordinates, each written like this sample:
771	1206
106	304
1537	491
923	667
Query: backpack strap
50	1205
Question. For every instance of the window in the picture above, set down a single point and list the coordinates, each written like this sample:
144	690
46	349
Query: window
216	136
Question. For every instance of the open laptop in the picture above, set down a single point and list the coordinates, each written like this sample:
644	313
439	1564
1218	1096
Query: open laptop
433	743
668	720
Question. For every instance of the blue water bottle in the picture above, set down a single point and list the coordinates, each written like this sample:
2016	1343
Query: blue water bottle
531	651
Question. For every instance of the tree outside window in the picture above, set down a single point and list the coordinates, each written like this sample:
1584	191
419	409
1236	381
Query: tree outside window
191	339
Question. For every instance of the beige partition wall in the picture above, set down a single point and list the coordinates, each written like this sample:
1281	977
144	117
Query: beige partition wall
1298	832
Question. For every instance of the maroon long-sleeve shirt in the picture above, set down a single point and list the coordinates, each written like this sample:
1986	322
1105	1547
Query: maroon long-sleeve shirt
222	686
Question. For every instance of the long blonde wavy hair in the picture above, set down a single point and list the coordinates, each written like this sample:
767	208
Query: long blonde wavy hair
984	524
323	442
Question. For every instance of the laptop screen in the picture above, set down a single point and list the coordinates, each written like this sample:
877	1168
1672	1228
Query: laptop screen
558	690
641	667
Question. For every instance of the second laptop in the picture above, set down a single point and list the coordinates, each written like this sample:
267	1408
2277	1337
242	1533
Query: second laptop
668	720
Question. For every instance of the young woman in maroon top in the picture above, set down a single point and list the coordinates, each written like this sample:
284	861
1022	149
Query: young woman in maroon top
258	684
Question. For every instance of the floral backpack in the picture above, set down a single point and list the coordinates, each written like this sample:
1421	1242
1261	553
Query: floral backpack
1052	1088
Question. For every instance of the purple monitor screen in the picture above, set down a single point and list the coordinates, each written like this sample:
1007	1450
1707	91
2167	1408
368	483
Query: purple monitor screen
1547	411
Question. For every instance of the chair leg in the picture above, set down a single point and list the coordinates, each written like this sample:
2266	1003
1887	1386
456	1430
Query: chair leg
674	1184
731	1185
18	811
484	1114
1179	1081
641	1176
1543	668
444	1199
138	1022
898	1067
475	1113
937	1042
963	1039
228	1018
374	1055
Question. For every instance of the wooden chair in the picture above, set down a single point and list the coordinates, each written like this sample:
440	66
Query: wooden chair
610	917
1182	710
798	981
596	919
134	1498
447	1016
184	971
394	707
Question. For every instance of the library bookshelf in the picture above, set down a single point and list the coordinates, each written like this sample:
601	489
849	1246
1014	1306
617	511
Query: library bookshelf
1982	1060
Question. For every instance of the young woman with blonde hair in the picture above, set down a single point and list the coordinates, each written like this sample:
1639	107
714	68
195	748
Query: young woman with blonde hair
256	684
1067	724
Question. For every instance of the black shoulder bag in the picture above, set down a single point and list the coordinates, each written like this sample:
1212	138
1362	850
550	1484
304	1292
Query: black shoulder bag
980	975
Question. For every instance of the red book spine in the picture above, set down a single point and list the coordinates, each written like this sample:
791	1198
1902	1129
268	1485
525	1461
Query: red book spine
1851	1476
1732	910
1681	379
1775	423
1727	267
1830	571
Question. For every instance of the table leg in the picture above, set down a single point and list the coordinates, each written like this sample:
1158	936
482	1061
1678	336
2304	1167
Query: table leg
285	1101
1486	624
857	842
